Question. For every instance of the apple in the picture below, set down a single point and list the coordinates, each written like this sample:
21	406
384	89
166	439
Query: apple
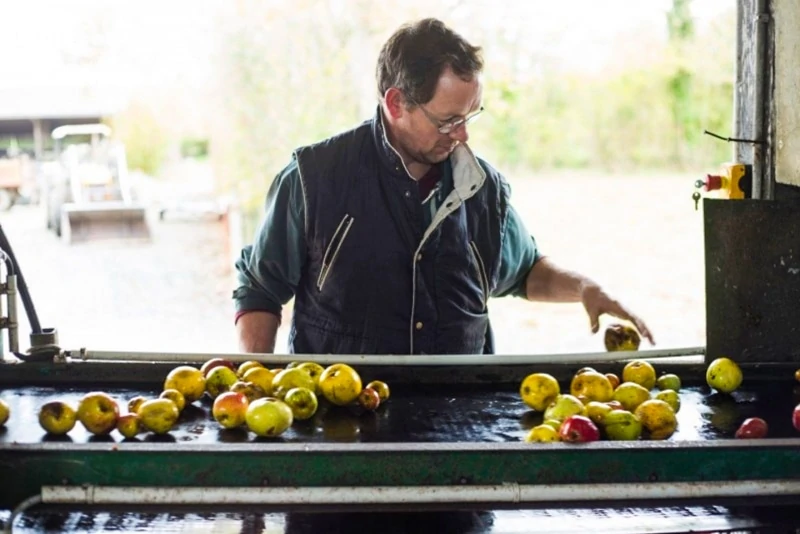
622	425
291	378
261	377
302	401
230	409
382	388
597	411
752	428
219	380
158	415
314	370
134	403
129	425
615	405
564	406
250	390
613	379
98	413
175	396
796	417
5	412
668	381
578	429
269	417
57	417
621	337
216	362
340	384
369	399
246	366
188	380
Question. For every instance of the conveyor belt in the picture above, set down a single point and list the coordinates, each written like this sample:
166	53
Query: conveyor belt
618	521
455	414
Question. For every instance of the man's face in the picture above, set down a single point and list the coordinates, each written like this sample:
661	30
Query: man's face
418	134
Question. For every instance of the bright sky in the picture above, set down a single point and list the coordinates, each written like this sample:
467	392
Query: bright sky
154	41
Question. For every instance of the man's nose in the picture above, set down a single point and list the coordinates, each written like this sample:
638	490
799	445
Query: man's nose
460	133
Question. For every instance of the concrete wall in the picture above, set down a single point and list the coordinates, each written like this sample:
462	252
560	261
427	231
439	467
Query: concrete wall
786	150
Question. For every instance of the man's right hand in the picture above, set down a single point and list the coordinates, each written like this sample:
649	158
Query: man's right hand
257	331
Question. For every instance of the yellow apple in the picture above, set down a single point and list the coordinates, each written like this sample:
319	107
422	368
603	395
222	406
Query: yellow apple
291	378
188	380
134	403
5	412
250	390
175	396
98	413
129	425
57	417
382	388
158	415
261	377
340	384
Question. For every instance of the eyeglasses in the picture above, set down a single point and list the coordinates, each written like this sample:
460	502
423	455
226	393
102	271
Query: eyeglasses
445	127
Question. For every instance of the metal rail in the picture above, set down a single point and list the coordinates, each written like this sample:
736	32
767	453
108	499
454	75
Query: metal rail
390	359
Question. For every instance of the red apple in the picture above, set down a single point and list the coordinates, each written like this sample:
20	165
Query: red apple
230	409
796	417
369	399
216	362
578	429
752	428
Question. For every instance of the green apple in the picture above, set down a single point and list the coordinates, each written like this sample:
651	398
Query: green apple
269	416
671	397
302	401
291	378
564	406
622	425
596	411
219	380
160	415
129	425
668	381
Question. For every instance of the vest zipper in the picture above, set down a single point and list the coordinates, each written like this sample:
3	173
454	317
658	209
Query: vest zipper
333	249
481	270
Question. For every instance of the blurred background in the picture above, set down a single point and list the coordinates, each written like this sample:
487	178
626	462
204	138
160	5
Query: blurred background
595	112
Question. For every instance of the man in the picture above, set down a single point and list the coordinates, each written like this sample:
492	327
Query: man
392	236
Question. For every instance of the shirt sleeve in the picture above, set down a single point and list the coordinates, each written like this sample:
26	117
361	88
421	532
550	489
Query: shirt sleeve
268	270
518	255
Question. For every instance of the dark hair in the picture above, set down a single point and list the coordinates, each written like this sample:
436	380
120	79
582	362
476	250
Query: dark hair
415	56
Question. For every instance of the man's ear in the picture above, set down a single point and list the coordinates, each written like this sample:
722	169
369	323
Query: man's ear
395	102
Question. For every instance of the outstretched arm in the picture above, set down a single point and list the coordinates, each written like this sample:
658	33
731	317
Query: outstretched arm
547	282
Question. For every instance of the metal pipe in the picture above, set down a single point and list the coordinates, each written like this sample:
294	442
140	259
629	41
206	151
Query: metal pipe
360	495
19	510
762	187
390	359
13	318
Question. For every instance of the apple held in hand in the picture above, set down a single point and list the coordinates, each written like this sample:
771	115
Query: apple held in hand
578	429
752	428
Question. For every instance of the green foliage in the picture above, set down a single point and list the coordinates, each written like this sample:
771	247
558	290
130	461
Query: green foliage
145	141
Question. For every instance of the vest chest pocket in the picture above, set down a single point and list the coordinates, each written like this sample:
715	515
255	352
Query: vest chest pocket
333	249
480	269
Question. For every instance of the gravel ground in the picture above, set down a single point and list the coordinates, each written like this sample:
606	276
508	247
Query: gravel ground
639	236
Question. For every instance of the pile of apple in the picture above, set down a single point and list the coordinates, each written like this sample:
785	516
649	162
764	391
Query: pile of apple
265	401
603	406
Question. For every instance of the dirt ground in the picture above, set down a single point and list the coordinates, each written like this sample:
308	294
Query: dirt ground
638	235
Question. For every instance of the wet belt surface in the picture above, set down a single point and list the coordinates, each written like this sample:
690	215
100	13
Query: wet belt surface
619	521
446	414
